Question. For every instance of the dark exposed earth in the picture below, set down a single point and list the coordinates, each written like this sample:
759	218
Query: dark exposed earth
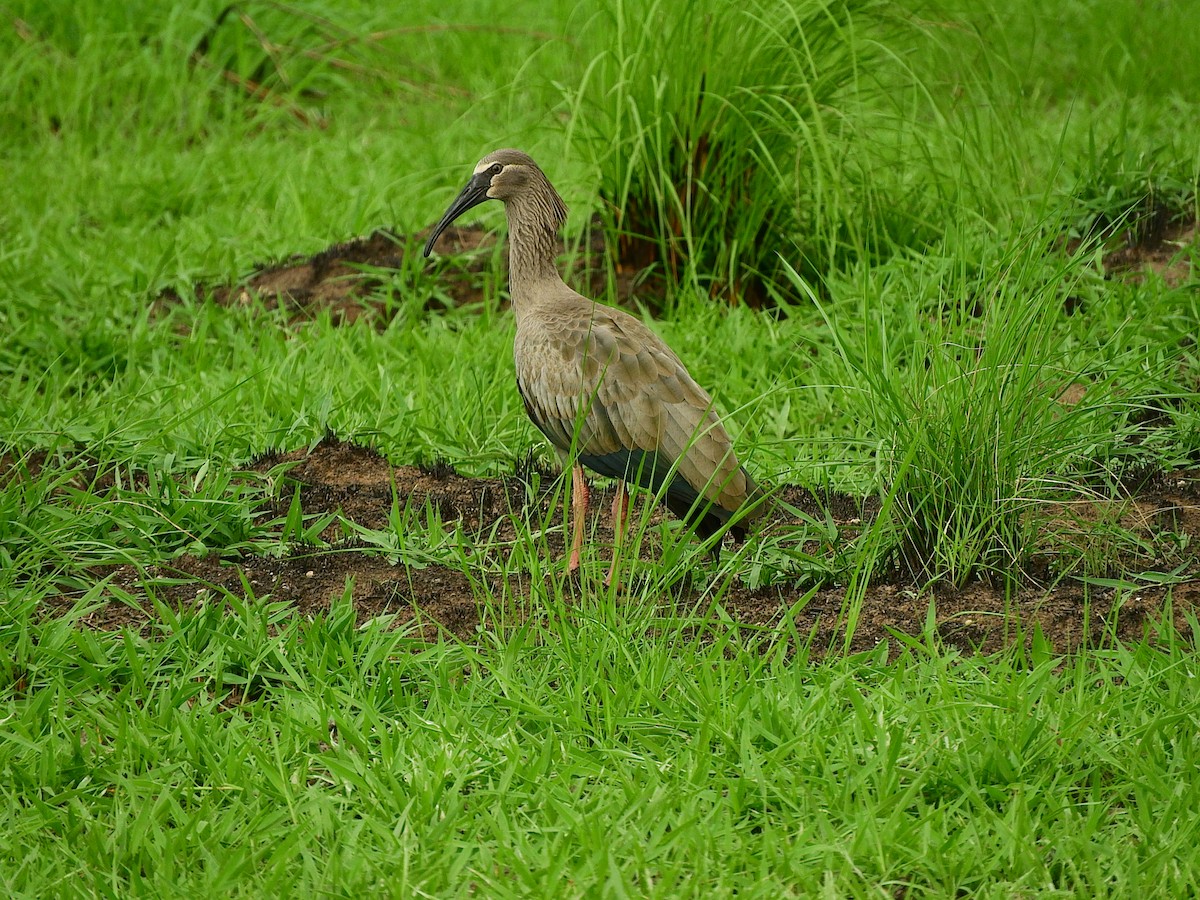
345	279
348	280
357	483
358	486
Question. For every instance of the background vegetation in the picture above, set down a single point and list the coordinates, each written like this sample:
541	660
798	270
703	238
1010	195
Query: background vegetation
920	196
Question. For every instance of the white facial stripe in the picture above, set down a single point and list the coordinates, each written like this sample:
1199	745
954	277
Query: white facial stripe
483	167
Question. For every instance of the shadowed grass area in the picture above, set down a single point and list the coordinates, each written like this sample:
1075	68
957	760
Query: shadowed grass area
707	171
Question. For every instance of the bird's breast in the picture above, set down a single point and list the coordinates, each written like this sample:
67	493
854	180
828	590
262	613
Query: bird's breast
559	374
561	359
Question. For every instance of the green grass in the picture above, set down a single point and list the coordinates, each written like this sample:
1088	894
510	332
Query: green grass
962	384
580	758
615	745
707	171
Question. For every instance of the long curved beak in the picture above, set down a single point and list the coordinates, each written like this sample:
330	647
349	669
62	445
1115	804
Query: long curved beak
472	195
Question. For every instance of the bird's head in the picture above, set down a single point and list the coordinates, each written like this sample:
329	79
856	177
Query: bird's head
501	175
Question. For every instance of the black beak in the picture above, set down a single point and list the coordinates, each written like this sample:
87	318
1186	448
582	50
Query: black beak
472	195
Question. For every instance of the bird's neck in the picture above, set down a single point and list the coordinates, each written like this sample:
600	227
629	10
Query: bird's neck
532	246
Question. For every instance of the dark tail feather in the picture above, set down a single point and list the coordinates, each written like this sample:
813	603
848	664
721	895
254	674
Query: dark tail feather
706	520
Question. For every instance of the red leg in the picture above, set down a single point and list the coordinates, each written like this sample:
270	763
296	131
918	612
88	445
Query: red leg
579	507
620	512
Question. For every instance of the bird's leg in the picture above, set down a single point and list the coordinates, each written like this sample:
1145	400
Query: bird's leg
620	511
579	506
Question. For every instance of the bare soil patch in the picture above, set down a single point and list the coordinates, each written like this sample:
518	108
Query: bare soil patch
351	280
360	485
1165	249
1163	241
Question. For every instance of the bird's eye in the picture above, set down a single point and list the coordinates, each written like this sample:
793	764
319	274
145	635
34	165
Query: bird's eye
496	169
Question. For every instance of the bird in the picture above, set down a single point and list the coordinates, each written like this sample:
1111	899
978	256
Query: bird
600	385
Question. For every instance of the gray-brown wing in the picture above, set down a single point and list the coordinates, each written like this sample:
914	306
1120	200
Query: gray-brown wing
605	384
653	404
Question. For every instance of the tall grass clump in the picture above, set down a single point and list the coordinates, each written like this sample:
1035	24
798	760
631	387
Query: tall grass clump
971	387
719	133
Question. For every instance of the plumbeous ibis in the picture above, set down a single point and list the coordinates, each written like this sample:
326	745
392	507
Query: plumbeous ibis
603	388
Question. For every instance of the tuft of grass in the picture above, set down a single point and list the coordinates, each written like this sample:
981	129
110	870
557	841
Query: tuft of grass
964	389
715	131
1134	190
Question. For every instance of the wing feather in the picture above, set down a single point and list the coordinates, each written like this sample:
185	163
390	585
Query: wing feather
640	407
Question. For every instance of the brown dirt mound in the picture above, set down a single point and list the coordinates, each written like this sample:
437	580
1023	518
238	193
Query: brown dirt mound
338	476
434	597
361	484
1162	249
348	279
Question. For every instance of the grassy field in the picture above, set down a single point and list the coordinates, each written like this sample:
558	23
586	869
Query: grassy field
282	604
